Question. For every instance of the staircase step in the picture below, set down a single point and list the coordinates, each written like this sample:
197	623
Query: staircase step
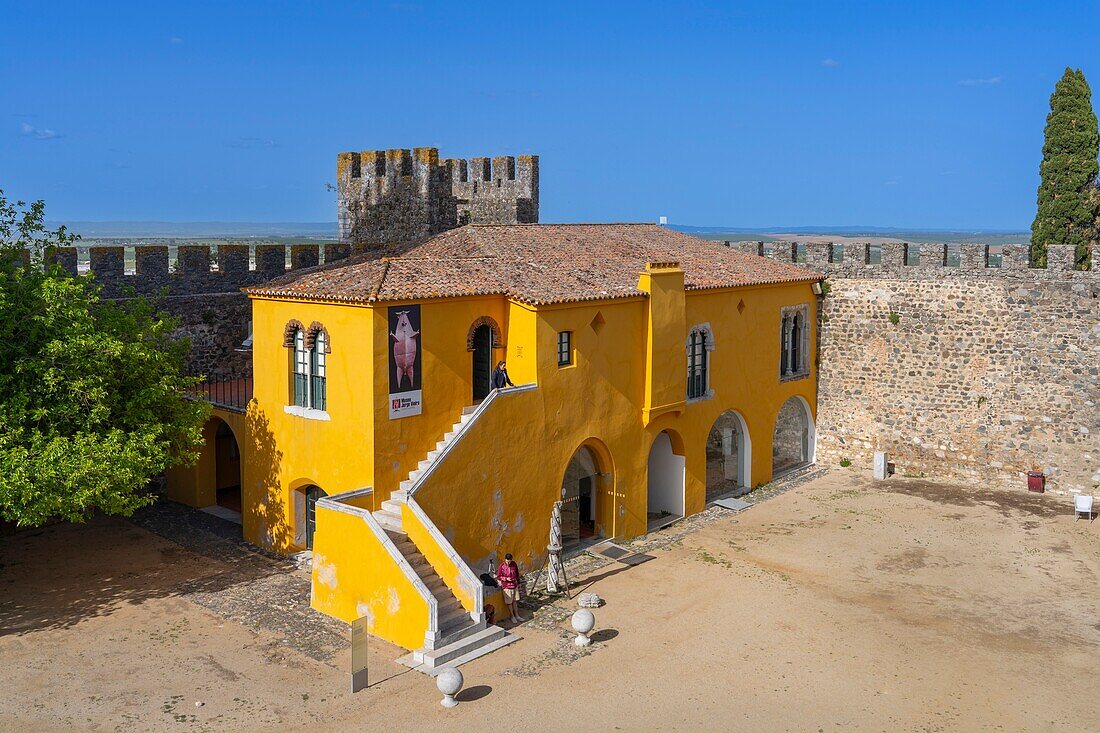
432	455
401	494
406	485
480	651
467	411
447	437
392	505
460	633
461	647
441	445
414	475
468	649
388	519
423	465
452	619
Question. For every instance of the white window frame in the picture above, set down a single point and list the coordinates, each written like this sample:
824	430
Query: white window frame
302	364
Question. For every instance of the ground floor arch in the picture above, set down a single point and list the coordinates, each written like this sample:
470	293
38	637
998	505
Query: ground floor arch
666	474
227	466
305	514
581	486
794	437
729	456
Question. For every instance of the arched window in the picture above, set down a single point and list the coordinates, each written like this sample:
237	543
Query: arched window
699	345
317	372
794	359
308	357
301	370
795	343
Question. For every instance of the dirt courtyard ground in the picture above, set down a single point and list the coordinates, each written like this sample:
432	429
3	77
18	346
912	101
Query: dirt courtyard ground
841	604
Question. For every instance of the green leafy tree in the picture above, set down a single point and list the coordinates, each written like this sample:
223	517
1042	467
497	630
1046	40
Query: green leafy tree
92	401
1067	210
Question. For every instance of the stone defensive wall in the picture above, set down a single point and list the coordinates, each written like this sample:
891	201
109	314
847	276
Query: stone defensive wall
957	360
389	195
202	288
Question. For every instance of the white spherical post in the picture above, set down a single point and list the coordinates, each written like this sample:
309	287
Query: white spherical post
583	621
449	682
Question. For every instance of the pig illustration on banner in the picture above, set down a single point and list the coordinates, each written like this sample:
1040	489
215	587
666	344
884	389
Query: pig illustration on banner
404	350
406	361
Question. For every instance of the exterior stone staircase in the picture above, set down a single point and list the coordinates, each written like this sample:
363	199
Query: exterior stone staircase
463	636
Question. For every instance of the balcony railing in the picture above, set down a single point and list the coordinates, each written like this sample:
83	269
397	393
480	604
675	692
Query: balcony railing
232	394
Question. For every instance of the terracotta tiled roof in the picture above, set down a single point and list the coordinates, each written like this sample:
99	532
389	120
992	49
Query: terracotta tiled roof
533	263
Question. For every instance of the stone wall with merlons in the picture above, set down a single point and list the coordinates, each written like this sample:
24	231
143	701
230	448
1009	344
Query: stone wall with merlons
986	373
202	288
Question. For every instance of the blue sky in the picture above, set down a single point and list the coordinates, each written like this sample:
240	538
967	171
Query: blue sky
744	114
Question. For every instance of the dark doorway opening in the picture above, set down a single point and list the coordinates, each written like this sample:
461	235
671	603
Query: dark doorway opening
482	362
227	468
313	493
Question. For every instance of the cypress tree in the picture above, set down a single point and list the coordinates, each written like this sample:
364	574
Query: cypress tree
1067	208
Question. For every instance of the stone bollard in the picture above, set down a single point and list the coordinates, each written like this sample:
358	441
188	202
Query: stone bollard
449	682
583	621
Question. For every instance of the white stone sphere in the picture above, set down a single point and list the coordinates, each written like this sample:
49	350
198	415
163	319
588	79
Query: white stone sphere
583	621
449	681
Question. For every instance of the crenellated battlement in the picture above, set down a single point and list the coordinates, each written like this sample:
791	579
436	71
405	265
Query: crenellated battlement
402	194
196	269
911	261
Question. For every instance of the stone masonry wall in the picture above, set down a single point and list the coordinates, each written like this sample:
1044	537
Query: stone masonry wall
986	373
400	195
202	290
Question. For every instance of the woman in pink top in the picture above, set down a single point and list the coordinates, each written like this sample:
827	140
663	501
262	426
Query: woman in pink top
508	577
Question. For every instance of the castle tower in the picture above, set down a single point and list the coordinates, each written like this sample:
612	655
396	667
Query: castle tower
394	195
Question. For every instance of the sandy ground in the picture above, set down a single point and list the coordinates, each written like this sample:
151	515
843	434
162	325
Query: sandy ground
839	605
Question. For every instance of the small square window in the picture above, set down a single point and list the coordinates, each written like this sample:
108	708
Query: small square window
874	254
800	252
836	253
565	348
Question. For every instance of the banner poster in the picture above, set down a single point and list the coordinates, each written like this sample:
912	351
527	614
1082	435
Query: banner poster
406	361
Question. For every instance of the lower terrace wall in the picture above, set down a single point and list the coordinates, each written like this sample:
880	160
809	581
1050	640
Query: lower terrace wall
987	372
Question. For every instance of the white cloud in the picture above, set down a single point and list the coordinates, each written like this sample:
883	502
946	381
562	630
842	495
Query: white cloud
830	63
38	133
980	82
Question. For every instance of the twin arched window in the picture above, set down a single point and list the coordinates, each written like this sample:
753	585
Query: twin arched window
310	350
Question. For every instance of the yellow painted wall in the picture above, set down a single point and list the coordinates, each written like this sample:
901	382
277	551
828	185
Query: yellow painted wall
665	361
495	491
402	443
354	576
521	452
287	452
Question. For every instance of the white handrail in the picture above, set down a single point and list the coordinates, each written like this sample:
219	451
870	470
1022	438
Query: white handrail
337	502
465	574
478	411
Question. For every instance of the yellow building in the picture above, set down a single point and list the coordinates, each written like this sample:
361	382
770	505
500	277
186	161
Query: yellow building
654	371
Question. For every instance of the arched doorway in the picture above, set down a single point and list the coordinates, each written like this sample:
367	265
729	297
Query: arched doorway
793	441
664	483
305	514
729	457
227	468
579	494
482	361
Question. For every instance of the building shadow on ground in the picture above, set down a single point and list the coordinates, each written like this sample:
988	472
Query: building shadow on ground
56	577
